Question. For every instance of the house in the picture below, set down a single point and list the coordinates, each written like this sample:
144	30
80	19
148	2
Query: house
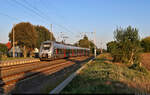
18	52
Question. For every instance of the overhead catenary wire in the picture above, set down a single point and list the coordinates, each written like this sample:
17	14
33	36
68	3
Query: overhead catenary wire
45	16
60	16
30	9
64	20
11	17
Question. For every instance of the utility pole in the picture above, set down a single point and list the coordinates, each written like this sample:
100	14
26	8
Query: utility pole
13	41
95	44
51	33
101	48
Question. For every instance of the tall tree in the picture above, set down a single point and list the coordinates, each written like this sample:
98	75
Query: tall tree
43	35
145	43
25	36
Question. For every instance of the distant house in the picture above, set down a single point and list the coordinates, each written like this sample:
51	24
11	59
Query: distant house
18	52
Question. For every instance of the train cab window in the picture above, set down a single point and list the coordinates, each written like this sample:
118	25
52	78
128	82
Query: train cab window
46	46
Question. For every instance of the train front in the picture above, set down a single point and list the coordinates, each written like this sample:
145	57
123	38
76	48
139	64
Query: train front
45	51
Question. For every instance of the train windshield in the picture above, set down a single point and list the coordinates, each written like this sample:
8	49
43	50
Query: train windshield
46	46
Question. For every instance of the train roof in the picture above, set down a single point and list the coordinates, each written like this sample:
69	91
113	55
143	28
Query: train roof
60	45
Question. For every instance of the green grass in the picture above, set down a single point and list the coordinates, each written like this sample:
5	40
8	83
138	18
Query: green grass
105	77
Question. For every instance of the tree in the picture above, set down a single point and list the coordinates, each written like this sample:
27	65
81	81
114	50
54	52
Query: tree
126	46
3	48
85	43
43	35
145	43
25	35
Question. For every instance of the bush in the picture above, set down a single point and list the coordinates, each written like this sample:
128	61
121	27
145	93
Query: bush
126	46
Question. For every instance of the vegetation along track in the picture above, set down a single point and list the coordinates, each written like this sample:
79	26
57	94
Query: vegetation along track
12	75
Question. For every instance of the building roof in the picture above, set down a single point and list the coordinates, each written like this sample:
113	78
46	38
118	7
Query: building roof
8	45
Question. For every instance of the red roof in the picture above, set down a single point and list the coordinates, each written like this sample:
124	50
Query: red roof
8	45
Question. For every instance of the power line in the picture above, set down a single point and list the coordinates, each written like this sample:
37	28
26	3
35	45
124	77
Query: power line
36	9
11	17
30	9
59	16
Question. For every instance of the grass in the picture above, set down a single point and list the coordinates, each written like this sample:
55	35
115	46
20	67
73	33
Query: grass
103	76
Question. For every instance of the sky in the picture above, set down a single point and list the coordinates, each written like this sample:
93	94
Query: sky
74	18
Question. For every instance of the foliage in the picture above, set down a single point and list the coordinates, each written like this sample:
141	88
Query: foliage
85	43
126	46
145	43
25	36
43	35
3	48
114	48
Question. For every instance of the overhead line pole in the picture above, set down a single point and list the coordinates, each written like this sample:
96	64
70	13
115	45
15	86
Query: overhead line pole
13	41
51	32
95	44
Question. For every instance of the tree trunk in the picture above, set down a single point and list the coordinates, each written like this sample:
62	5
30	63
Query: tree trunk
131	57
25	52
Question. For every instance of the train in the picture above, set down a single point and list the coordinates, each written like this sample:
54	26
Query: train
50	50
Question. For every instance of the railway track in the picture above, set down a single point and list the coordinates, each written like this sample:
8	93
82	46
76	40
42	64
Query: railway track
14	74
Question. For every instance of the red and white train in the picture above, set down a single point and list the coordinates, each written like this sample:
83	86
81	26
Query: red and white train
50	50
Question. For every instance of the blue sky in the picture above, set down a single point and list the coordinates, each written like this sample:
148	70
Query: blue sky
75	17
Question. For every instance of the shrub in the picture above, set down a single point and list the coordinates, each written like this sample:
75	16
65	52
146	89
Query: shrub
126	46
